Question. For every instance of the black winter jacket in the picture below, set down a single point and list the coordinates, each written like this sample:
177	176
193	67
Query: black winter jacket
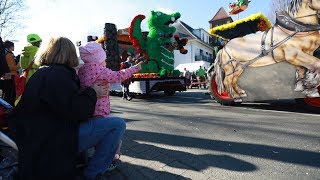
45	123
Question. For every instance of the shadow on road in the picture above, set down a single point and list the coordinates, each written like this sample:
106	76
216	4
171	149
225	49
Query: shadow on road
192	97
201	97
186	160
280	105
152	146
201	162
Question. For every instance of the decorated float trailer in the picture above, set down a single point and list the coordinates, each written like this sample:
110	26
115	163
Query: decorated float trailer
155	48
263	62
145	85
238	6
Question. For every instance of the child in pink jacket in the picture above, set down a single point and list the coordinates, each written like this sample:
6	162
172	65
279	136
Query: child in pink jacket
94	71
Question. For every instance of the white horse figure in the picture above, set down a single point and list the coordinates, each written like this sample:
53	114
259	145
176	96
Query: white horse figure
293	38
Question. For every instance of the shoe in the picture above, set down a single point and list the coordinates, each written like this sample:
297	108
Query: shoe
117	157
112	166
129	98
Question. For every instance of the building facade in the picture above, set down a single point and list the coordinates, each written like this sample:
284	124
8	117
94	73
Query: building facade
200	52
200	45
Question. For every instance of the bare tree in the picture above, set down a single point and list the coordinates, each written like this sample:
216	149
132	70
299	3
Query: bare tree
276	6
10	15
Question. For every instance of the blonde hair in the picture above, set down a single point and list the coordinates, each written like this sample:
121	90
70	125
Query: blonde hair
59	50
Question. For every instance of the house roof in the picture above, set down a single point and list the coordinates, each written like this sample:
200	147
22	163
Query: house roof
189	31
221	14
184	29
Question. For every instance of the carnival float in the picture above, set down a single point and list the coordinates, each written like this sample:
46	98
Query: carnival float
238	6
263	62
154	47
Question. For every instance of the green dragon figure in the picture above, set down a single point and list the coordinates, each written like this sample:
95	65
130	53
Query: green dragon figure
157	46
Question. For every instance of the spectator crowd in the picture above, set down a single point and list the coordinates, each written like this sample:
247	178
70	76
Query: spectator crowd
197	79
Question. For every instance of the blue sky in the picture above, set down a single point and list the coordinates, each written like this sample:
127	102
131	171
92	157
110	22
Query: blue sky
76	19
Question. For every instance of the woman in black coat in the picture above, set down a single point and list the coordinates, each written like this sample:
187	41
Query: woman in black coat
46	121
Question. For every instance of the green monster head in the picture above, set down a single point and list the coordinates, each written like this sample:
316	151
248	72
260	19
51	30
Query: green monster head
161	21
159	40
159	26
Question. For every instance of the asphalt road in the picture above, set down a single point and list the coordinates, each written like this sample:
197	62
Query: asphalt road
189	136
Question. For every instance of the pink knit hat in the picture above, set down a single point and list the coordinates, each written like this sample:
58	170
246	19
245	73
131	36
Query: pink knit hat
92	52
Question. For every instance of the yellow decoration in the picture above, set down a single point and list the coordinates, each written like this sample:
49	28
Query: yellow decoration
263	25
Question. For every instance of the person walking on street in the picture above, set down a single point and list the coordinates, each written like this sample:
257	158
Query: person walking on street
194	81
205	76
94	70
187	75
126	83
201	77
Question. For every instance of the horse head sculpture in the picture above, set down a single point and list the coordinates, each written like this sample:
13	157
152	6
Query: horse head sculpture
293	38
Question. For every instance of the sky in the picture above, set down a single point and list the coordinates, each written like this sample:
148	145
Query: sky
76	19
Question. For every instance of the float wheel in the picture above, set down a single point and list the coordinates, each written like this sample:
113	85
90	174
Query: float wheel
169	92
222	98
311	104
